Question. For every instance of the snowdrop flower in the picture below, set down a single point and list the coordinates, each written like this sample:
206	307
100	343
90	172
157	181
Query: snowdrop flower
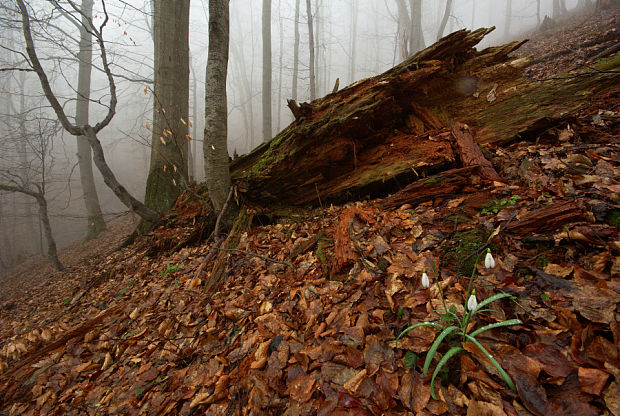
425	282
489	261
472	303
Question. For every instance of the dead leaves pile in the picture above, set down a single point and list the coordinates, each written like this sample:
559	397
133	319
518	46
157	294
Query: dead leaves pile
320	339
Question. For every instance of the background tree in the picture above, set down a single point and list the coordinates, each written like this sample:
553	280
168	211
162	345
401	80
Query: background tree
217	174
267	129
168	168
89	131
311	47
296	53
96	224
444	20
31	176
353	41
507	18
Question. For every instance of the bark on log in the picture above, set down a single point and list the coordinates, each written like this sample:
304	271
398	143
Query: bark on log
548	218
469	152
379	134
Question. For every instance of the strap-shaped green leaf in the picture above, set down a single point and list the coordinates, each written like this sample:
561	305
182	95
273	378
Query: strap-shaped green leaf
492	299
504	375
496	325
451	352
431	353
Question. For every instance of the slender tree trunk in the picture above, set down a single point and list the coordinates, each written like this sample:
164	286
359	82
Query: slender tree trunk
473	14
168	168
507	18
267	129
281	53
238	57
403	26
96	224
353	40
194	126
444	20
47	228
217	174
538	11
317	46
311	47
556	8
43	214
416	23
296	53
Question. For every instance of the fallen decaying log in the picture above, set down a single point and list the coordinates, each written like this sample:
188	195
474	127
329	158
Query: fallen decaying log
379	134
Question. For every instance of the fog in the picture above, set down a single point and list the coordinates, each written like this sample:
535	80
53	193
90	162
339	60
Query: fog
355	40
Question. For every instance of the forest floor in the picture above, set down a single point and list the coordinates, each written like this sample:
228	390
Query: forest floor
307	319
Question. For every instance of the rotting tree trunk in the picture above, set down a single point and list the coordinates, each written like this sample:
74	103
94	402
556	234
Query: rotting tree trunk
378	135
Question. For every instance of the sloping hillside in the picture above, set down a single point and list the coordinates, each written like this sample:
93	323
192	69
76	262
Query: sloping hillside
311	303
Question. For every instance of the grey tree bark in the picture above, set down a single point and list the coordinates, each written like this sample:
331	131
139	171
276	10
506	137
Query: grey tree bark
246	91
169	146
311	47
507	18
444	20
88	130
267	129
296	53
217	173
317	46
417	34
281	56
353	40
96	224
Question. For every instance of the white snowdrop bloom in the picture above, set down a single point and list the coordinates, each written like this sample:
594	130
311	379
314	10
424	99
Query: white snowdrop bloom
489	261
425	282
472	303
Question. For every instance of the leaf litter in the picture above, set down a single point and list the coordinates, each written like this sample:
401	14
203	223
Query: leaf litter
134	332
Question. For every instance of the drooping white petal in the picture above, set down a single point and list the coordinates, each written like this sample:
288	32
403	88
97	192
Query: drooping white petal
472	303
489	261
425	282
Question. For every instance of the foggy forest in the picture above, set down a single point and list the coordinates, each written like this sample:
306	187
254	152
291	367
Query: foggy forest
352	40
309	207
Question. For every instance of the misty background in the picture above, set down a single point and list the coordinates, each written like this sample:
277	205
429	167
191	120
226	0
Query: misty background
354	39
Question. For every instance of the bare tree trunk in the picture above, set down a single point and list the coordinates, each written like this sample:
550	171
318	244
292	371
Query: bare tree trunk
96	224
89	131
317	46
556	8
416	26
538	11
281	53
168	167
353	45
507	18
296	53
444	20
267	129
248	105
217	174
193	156
311	46
40	198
